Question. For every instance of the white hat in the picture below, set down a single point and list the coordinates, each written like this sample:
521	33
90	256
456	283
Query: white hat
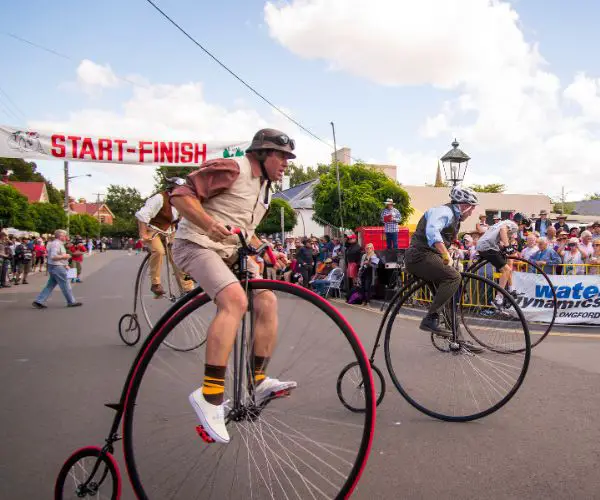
574	240
388	201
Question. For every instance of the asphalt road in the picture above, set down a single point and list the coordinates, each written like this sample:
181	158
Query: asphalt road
59	366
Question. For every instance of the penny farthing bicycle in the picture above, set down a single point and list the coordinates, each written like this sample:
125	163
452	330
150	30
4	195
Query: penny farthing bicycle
463	376
294	445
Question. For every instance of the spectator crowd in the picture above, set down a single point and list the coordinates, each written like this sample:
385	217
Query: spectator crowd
554	246
23	256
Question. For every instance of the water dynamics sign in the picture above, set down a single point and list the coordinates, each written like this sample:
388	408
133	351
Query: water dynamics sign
578	297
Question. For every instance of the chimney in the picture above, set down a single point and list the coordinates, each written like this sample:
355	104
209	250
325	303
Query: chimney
285	182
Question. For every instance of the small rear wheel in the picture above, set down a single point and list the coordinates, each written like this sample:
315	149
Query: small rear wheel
88	473
129	329
351	388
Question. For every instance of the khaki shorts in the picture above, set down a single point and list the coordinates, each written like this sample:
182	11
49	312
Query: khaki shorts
207	268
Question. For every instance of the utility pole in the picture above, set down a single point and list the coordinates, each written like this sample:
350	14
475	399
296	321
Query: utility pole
282	225
98	205
337	173
66	202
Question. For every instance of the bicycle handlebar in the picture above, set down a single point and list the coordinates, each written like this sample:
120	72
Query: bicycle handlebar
264	248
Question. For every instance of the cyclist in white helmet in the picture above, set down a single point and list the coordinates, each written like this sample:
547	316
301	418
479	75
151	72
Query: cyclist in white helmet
494	246
428	257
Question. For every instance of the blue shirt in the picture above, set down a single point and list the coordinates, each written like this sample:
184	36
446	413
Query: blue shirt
439	218
549	256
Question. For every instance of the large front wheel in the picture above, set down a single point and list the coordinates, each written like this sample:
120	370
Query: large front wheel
304	445
472	373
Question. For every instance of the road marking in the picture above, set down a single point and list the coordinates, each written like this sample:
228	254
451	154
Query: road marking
411	318
8	301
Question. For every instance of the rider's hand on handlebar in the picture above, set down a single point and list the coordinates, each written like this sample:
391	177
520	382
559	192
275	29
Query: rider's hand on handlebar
509	250
218	232
447	259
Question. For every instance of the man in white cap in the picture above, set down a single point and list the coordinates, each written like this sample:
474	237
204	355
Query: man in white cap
390	217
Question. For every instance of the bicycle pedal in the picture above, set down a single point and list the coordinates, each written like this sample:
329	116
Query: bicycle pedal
204	435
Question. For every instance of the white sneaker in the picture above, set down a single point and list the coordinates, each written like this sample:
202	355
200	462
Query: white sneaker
212	417
272	388
498	302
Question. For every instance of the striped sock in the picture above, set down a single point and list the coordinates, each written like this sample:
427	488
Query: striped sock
213	387
260	367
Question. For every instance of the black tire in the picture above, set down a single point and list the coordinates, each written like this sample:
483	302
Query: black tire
427	387
129	329
350	375
153	307
77	469
537	338
182	460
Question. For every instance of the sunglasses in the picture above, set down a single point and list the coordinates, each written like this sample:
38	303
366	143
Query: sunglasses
596	245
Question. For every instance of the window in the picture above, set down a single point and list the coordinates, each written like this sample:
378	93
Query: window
102	219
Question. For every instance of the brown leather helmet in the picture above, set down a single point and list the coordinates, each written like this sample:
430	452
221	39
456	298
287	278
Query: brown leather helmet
271	139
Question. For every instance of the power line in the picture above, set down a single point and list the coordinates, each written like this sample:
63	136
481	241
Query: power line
68	58
232	73
52	51
14	104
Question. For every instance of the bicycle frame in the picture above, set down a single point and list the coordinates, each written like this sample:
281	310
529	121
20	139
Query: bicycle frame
238	352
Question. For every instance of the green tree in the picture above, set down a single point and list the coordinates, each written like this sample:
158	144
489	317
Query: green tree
123	201
593	196
55	196
557	207
120	227
364	190
272	221
84	225
24	171
488	188
47	217
14	209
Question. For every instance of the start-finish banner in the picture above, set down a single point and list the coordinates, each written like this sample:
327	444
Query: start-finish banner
578	297
43	145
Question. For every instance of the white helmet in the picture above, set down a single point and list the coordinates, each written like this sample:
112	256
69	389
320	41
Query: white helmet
463	195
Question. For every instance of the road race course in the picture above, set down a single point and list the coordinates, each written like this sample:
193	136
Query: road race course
59	366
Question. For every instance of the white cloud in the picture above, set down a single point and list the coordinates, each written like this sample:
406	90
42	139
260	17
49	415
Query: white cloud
92	77
506	105
165	112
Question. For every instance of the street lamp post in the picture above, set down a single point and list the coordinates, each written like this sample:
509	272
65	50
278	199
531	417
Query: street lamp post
337	173
67	179
455	163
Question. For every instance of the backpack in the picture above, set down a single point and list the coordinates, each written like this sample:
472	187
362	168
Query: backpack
355	297
23	253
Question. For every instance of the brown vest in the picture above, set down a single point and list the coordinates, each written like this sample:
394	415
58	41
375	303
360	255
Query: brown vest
164	218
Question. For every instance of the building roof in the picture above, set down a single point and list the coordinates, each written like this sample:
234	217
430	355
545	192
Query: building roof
424	197
88	208
588	207
299	196
34	191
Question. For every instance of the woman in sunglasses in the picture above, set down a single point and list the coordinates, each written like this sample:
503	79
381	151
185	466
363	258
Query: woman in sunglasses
594	259
572	258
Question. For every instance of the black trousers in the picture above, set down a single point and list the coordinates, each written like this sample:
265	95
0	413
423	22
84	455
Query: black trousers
430	267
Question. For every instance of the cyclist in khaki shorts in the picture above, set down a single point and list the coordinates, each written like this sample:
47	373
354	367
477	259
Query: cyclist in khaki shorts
236	193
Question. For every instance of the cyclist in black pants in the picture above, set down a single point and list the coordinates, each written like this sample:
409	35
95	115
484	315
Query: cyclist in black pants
428	257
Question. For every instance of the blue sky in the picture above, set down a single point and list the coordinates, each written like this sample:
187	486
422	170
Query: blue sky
363	66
